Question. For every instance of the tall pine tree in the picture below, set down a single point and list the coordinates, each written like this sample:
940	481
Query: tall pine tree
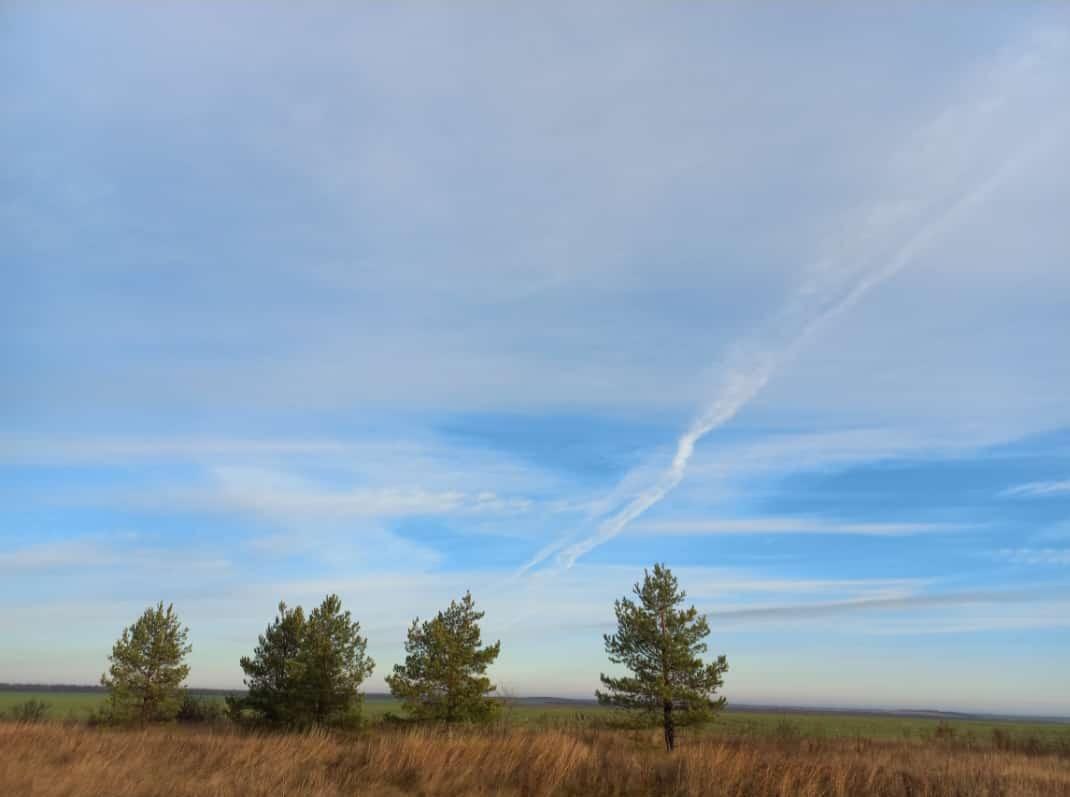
662	645
443	675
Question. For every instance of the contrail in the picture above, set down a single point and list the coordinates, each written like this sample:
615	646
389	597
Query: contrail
802	319
741	388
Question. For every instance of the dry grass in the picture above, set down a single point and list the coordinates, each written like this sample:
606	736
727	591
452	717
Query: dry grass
54	759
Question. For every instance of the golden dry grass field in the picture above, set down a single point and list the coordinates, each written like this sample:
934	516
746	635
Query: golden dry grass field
52	759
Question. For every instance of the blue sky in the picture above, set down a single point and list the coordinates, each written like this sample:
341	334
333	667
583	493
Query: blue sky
398	302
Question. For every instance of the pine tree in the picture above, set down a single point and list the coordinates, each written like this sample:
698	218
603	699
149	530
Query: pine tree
334	663
274	673
147	669
443	675
662	647
307	670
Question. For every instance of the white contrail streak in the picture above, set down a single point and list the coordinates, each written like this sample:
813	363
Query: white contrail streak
741	388
810	310
744	386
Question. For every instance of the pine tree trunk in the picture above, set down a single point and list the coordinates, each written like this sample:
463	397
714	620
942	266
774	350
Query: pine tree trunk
670	729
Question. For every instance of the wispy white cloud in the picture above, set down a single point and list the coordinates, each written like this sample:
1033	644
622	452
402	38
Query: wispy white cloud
294	478
366	548
733	469
67	553
349	524
777	452
793	525
125	450
1041	489
278	494
705	582
286	499
888	603
125	551
907	618
1051	616
418	455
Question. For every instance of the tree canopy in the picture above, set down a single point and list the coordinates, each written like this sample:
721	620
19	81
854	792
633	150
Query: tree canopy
147	668
307	670
662	644
443	677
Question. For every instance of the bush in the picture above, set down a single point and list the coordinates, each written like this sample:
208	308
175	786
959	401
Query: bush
944	731
1002	740
32	710
787	732
237	711
102	716
197	710
1032	745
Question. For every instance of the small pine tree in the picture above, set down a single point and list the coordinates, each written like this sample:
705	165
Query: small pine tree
147	669
662	646
307	671
334	663
443	675
273	673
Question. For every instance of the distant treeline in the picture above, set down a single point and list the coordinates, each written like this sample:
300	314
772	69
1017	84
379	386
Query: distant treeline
84	689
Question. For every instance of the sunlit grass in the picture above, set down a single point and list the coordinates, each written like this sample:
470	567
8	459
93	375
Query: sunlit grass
69	759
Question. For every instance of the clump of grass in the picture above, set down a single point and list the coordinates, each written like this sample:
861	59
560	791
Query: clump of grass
52	759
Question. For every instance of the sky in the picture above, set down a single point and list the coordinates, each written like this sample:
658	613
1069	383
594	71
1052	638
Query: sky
398	301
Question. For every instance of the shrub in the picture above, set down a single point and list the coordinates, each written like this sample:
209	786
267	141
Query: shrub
198	710
786	732
1002	740
32	710
944	731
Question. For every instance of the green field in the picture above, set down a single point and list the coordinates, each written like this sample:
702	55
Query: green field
809	725
79	705
61	705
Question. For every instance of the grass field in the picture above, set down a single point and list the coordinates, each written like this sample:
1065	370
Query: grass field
535	750
51	759
731	724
